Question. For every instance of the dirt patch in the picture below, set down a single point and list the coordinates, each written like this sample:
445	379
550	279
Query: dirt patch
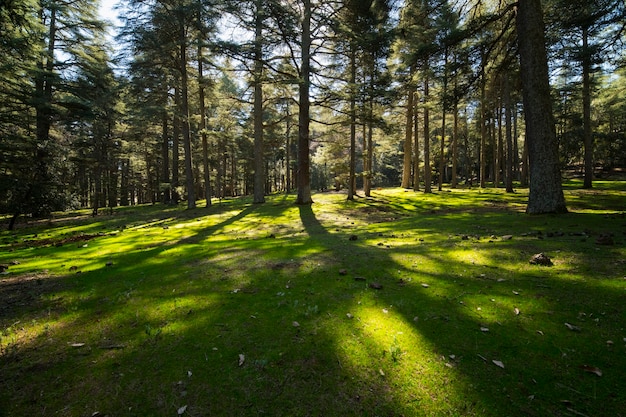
36	243
25	292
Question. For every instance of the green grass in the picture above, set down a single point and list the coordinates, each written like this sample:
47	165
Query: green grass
147	310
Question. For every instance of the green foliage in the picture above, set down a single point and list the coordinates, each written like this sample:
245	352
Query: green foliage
247	309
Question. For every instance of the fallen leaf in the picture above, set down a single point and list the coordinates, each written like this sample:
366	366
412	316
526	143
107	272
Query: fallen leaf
572	327
182	410
376	286
242	359
591	369
498	363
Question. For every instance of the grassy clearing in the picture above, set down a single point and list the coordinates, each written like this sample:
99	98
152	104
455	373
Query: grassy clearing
269	309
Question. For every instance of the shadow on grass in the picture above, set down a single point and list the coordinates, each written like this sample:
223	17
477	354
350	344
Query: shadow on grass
226	324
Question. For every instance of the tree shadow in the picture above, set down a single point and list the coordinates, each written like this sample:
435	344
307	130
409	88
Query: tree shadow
315	341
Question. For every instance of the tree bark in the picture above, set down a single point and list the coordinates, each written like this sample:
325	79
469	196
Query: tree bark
427	171
588	139
546	193
352	175
191	193
408	138
259	164
304	117
205	145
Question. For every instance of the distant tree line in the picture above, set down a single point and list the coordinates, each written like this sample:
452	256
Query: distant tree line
209	99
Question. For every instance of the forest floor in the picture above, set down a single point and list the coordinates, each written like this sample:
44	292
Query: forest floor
402	304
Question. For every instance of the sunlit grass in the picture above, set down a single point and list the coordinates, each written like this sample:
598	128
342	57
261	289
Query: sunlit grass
397	304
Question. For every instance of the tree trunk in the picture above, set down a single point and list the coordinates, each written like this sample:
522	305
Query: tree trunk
259	164
165	156
588	139
408	138
508	134
416	156
205	144
455	146
369	152
352	175
546	193
483	124
443	122
304	118
191	193
427	171
176	147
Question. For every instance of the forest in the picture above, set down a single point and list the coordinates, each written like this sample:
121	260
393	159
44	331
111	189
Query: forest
188	101
312	208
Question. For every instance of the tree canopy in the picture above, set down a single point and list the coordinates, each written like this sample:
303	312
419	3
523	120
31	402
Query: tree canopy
206	99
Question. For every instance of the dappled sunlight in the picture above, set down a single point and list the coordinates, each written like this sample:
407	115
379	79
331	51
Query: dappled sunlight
398	304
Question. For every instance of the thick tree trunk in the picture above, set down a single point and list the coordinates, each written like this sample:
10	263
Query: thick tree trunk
205	145
352	175
546	193
191	192
259	164
304	118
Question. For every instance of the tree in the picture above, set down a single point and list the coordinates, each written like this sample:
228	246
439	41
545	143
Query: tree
546	193
588	29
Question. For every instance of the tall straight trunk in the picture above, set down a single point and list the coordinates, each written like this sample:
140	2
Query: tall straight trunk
416	156
369	154
408	137
43	108
587	138
176	147
259	163
165	157
427	171
191	192
483	124
455	146
352	175
205	145
546	192
455	130
499	154
304	117
509	133
288	151
124	183
443	122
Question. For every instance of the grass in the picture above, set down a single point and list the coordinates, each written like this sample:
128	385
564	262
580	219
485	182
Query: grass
246	310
